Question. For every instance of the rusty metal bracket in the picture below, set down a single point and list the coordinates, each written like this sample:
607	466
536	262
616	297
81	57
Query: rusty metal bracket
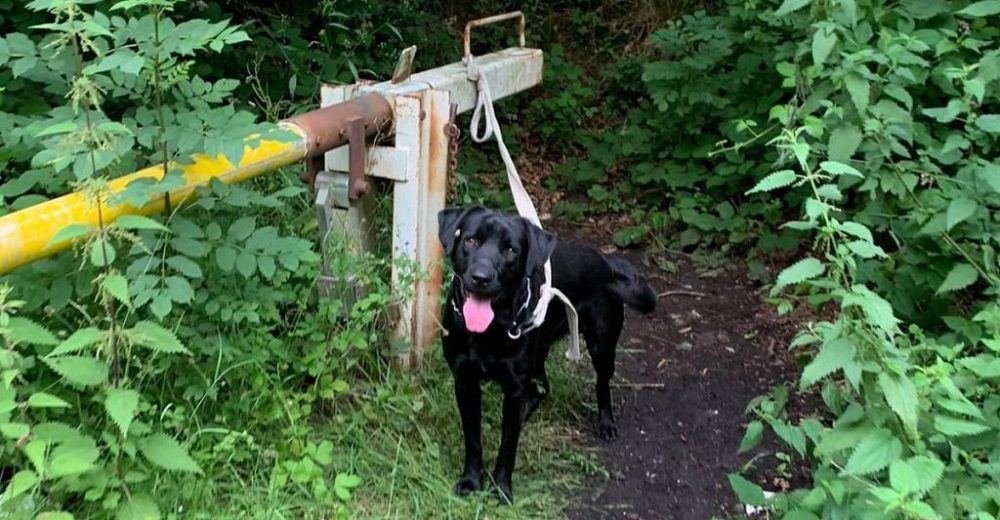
467	36
357	151
330	127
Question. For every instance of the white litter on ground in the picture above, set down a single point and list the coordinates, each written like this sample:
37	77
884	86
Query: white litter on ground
759	510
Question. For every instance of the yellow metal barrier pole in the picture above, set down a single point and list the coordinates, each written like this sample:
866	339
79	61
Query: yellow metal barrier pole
26	235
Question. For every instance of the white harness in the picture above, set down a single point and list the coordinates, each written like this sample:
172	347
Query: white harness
525	208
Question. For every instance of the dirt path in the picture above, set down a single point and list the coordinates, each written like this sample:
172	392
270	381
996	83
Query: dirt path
684	377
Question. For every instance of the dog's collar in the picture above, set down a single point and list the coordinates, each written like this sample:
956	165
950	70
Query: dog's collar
526	324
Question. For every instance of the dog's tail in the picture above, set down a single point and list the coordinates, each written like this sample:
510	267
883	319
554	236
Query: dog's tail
631	286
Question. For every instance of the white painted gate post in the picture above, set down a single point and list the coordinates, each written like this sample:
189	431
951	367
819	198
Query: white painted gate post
417	162
420	126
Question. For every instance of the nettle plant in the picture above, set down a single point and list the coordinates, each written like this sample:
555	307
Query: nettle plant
111	87
891	137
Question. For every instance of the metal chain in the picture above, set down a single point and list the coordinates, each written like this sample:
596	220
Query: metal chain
452	131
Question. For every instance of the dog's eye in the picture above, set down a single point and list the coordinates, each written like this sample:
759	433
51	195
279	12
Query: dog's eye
509	252
472	242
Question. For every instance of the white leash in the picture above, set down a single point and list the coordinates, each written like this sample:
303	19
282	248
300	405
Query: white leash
525	208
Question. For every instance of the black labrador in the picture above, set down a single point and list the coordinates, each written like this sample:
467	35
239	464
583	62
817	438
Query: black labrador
498	261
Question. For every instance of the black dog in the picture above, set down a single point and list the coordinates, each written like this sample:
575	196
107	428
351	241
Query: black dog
498	261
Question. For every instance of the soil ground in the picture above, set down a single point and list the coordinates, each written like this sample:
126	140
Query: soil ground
684	377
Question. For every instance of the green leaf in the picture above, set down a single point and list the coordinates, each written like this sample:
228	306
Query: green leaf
961	276
161	305
860	91
851	9
902	397
139	507
928	470
44	400
980	9
23	330
121	405
985	366
989	123
139	222
343	484
748	492
14	430
876	451
116	285
829	192
70	232
79	340
266	265
102	253
156	338
776	180
865	249
925	9
878	312
990	173
189	247
824	39
963	406
242	228
837	168
166	453
792	436
844	142
955	427
976	88
185	266
903	477
225	256
959	210
857	230
900	94
798	272
752	437
789	6
22	482
64	127
246	264
35	451
832	356
72	458
78	370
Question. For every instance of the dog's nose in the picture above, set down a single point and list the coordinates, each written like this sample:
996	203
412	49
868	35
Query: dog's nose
480	277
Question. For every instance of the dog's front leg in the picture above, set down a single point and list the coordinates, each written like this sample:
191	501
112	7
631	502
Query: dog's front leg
469	395
513	404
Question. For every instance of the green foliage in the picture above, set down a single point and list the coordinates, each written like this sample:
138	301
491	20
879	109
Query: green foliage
886	136
709	78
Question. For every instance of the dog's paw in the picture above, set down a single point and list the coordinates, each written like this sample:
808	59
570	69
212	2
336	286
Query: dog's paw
607	430
468	484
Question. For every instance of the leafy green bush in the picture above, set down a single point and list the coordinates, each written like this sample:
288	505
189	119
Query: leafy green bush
889	132
114	365
709	77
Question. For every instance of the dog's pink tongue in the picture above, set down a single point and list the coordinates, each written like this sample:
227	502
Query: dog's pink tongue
478	313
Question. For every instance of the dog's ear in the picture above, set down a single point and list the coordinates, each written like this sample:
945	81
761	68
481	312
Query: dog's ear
541	243
450	222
